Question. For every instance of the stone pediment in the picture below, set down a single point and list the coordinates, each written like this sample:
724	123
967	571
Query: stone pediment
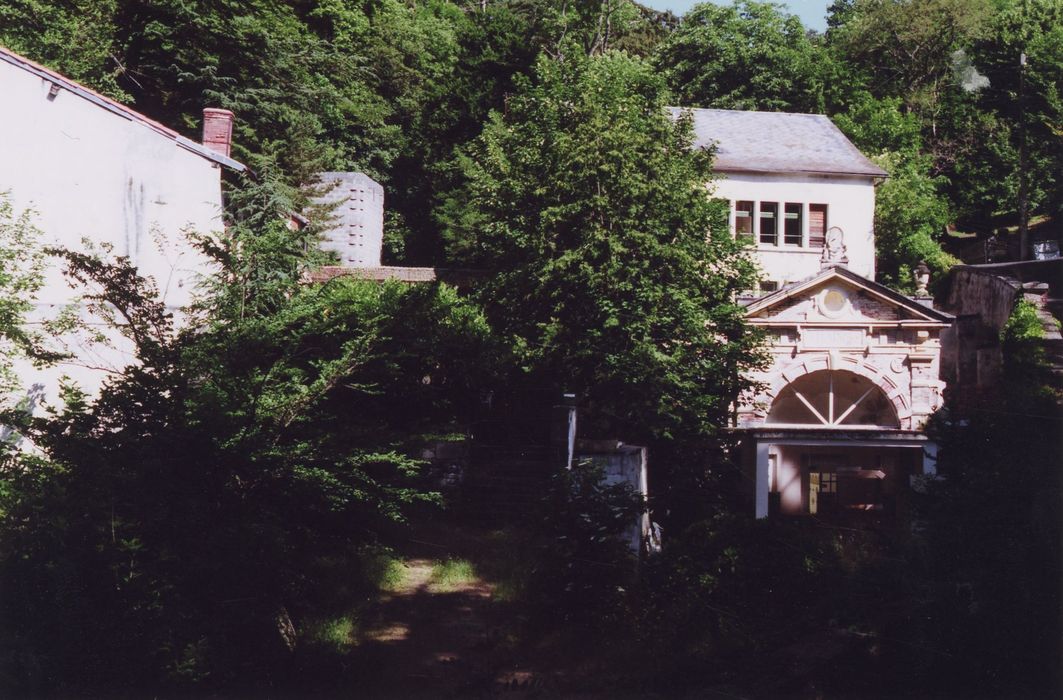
837	295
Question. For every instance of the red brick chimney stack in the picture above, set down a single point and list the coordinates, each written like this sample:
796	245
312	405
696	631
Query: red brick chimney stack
218	130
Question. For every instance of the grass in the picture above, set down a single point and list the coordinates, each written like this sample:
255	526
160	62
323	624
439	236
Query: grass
384	569
451	574
338	634
344	583
506	564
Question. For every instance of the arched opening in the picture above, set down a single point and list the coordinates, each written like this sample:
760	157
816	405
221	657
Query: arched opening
834	398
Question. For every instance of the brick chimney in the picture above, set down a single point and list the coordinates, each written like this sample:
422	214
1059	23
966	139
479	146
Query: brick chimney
218	130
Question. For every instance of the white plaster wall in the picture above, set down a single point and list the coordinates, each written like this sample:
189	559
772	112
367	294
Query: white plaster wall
850	206
89	173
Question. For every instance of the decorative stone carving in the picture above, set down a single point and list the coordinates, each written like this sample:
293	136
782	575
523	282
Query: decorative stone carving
833	302
834	252
922	279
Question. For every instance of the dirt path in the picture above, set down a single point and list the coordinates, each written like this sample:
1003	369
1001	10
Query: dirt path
438	636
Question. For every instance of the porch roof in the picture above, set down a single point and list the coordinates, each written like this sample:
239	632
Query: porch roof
855	437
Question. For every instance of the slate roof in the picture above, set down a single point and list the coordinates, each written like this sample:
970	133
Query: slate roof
117	108
929	313
777	142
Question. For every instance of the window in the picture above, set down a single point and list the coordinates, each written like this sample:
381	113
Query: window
768	216
768	286
744	218
792	233
797	223
833	398
822	488
833	301
817	225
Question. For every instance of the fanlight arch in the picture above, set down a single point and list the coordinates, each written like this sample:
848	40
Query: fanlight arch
833	398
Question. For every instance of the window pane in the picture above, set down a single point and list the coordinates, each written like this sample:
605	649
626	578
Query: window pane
817	225
768	225
744	218
792	230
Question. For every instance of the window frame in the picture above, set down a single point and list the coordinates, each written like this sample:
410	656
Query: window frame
762	211
749	217
773	217
788	236
820	239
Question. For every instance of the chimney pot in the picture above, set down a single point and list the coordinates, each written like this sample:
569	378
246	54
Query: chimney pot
218	130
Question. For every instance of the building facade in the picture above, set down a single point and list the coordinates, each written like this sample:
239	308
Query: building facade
95	173
835	423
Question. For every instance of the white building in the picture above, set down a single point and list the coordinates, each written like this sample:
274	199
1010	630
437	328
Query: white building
790	178
91	168
835	423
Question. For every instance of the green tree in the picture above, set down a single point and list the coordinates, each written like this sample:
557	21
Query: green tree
989	557
75	38
906	48
189	504
612	271
749	55
911	212
22	263
910	220
1033	28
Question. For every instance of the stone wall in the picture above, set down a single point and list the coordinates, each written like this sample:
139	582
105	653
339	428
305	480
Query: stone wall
982	297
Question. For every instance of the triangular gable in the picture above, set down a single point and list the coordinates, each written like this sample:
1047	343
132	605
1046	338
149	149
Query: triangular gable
906	308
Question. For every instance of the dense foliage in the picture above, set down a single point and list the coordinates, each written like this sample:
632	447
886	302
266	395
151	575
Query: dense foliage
398	89
749	55
179	531
991	581
608	281
168	532
608	284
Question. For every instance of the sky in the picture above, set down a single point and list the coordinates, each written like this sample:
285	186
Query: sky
813	13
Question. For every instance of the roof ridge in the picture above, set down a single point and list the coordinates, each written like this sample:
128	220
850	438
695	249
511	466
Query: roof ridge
778	142
114	106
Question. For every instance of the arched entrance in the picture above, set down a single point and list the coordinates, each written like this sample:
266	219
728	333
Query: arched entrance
833	398
834	479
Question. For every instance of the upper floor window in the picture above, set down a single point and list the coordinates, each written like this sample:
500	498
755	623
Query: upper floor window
744	218
817	225
793	232
768	228
792	224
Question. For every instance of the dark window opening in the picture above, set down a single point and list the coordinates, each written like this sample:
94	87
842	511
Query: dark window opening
768	286
768	217
792	234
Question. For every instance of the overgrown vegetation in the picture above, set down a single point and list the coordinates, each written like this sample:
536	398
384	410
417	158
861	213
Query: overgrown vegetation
171	530
399	90
231	494
990	583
